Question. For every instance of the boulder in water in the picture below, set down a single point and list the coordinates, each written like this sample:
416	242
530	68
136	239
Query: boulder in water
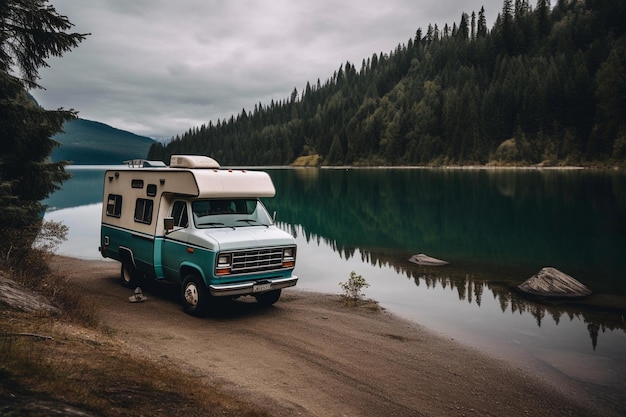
550	282
425	260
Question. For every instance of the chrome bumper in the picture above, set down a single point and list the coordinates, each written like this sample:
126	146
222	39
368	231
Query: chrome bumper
247	288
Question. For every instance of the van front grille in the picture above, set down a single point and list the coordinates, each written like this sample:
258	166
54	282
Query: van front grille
256	260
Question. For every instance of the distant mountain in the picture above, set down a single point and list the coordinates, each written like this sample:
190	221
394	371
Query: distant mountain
85	142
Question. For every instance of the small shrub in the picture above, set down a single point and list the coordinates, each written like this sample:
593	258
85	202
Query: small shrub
352	288
32	265
29	257
50	236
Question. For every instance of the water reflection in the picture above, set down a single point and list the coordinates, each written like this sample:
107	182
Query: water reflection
472	291
509	222
84	188
470	286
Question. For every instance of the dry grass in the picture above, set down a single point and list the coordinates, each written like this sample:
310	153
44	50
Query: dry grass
307	161
64	363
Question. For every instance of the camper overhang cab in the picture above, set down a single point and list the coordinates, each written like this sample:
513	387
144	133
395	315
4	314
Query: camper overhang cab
198	225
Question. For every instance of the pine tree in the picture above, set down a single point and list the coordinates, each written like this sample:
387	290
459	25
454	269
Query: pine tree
473	31
543	16
31	31
481	30
506	27
611	94
463	33
335	154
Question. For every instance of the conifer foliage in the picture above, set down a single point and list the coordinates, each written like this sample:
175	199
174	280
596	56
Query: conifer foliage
545	84
30	32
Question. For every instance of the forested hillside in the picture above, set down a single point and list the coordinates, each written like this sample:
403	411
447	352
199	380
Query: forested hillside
546	84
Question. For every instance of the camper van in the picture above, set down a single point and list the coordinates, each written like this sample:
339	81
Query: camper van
197	225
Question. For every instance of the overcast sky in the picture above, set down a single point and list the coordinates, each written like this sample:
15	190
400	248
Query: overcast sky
159	67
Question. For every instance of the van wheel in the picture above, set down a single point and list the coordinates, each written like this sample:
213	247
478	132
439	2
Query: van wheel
194	295
266	299
129	276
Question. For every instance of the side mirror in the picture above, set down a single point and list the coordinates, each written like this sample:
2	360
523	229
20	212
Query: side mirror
168	224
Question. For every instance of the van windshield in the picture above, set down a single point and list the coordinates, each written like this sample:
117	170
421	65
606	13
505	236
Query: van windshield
229	212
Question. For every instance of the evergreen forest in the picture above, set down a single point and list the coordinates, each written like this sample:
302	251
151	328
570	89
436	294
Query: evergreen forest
31	32
546	85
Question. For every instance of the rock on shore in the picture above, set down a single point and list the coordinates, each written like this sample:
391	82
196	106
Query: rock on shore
17	296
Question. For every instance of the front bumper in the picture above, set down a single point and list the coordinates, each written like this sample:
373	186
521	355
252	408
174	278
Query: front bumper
248	287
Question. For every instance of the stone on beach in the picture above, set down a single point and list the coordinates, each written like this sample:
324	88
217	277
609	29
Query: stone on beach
16	296
138	296
550	282
425	260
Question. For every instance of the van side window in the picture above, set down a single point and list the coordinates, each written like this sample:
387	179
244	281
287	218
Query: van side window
143	210
114	205
179	213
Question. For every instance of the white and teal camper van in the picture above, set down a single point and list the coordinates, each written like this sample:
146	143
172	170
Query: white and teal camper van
196	225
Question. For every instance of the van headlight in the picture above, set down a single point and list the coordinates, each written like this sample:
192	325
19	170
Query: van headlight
223	264
289	257
223	260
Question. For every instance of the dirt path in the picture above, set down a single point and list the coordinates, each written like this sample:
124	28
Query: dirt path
310	355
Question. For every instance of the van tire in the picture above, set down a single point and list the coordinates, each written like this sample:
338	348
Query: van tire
267	299
194	295
129	276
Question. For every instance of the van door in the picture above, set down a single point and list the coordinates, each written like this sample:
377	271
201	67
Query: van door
139	242
174	248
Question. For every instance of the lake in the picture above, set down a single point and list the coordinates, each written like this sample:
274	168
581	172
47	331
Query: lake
496	227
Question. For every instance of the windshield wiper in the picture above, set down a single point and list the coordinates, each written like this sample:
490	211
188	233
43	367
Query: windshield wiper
211	224
250	221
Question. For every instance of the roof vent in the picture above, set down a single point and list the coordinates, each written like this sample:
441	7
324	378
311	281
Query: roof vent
193	161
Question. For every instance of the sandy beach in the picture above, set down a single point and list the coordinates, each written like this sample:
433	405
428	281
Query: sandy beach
312	355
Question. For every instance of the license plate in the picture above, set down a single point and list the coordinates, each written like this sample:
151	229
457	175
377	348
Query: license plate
261	287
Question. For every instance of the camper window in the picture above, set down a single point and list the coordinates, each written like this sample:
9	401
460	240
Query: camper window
114	205
143	211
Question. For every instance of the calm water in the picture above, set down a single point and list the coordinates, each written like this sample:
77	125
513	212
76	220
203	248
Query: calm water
496	228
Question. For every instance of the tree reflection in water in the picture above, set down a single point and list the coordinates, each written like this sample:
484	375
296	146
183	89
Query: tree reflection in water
471	290
496	227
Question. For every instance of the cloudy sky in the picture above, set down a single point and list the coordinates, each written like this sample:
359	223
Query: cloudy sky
160	67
